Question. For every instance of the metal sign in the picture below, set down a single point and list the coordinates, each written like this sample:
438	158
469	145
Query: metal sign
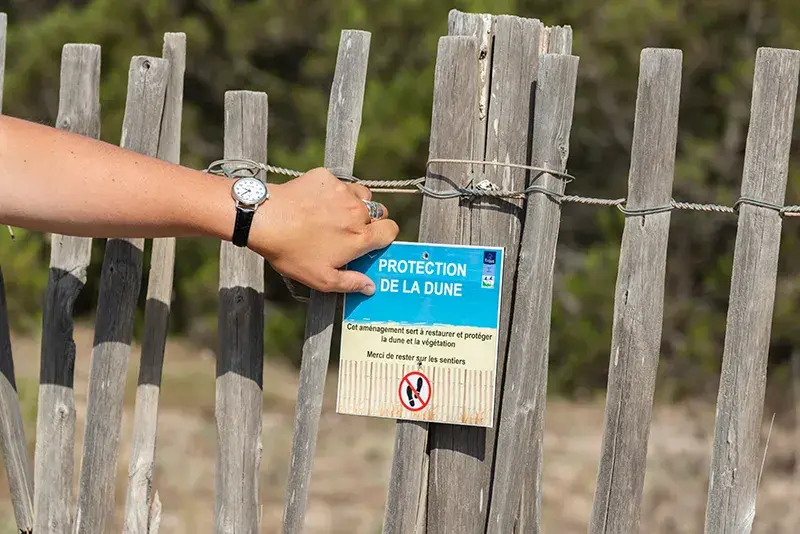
424	346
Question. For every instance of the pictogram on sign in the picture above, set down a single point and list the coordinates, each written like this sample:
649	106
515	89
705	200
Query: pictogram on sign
415	391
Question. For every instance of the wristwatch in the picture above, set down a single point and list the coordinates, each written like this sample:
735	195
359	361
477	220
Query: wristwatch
248	193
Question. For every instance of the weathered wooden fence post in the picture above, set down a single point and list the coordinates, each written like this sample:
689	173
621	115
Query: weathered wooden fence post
528	346
461	457
12	432
639	299
78	112
453	126
344	124
156	319
240	363
735	459
119	289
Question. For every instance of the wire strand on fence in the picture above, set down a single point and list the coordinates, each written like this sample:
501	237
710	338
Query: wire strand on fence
486	188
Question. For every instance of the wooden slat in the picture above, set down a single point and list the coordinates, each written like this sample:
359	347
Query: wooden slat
157	308
78	112
453	126
736	459
559	39
12	433
155	515
480	26
120	283
555	40
240	363
519	445
344	124
461	457
639	297
408	486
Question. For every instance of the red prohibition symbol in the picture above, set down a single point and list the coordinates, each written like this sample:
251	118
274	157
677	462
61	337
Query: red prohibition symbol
415	391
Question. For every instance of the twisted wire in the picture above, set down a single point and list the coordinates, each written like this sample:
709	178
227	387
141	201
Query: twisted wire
484	188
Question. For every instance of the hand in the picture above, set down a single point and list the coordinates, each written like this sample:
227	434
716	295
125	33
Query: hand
315	224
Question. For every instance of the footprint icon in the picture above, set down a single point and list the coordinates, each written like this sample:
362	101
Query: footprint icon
411	394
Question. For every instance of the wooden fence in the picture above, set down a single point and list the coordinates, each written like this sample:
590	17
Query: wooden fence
504	91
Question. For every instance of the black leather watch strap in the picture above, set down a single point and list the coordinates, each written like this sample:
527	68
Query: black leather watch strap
241	229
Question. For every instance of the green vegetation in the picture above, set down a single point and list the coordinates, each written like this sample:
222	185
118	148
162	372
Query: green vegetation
288	49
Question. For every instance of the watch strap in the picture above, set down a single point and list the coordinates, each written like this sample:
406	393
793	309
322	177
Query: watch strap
241	228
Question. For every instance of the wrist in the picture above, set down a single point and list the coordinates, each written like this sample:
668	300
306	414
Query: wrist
207	209
212	212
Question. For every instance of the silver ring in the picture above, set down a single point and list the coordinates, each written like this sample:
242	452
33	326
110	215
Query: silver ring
375	209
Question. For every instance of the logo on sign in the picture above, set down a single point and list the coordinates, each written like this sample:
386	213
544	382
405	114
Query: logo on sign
489	257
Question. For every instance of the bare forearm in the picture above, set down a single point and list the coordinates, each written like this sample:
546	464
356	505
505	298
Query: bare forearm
53	181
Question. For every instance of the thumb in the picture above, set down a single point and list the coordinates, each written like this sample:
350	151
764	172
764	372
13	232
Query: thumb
352	282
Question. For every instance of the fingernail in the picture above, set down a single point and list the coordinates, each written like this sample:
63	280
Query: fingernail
369	289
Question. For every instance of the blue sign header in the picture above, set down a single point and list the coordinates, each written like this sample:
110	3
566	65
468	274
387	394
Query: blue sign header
429	285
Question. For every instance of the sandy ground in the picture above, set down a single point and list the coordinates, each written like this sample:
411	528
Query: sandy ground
354	455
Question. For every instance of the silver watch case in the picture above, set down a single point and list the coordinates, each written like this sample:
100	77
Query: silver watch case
244	204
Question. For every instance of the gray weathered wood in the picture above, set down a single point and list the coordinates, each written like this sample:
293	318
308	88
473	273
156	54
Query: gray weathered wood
156	319
559	39
453	125
735	460
12	432
119	290
639	297
344	124
78	112
441	223
461	457
519	444
481	26
555	40
240	363
154	521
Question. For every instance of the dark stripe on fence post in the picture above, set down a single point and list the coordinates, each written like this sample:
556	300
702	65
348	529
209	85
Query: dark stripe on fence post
344	124
639	298
120	283
240	363
454	122
157	308
736	458
78	112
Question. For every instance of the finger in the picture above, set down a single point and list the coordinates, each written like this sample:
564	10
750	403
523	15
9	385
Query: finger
381	234
351	282
360	191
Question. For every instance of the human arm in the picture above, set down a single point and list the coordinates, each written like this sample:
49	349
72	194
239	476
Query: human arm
59	182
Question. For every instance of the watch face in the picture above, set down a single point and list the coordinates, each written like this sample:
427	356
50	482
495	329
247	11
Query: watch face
249	190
